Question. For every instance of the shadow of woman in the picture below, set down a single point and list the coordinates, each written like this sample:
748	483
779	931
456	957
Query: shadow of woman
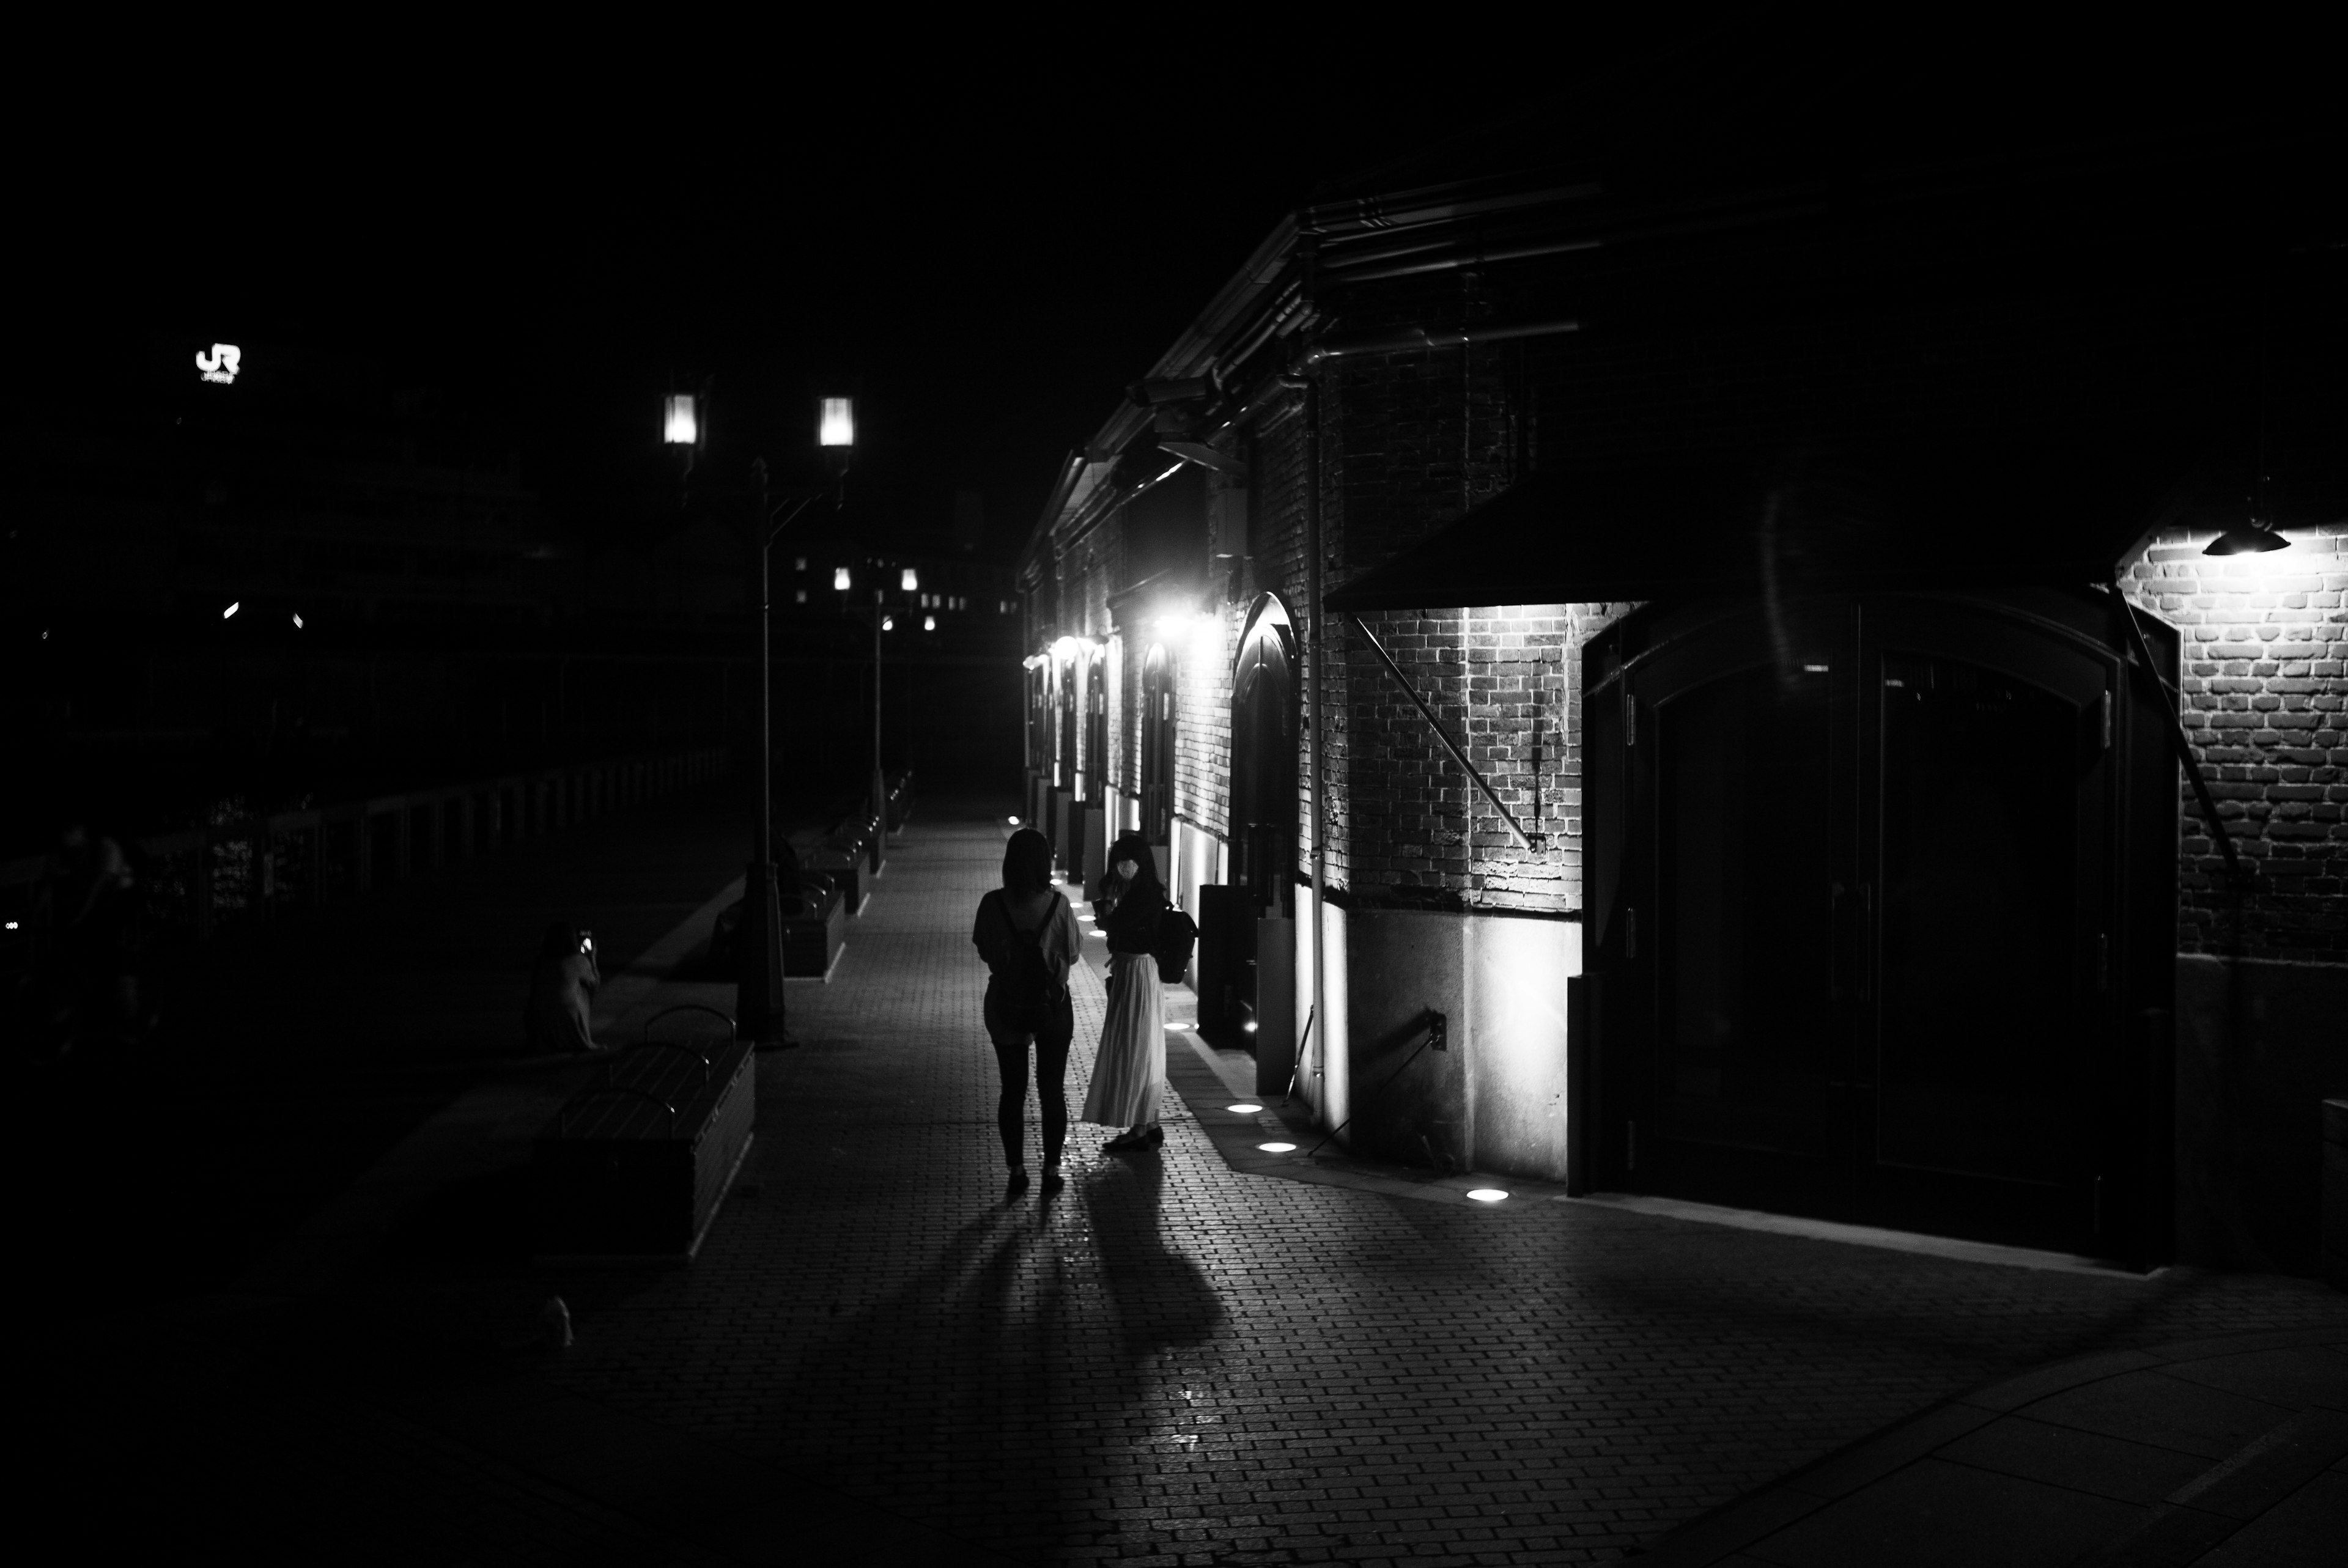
945	1395
1163	1300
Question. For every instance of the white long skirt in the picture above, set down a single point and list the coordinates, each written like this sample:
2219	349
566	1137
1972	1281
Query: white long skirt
1131	1065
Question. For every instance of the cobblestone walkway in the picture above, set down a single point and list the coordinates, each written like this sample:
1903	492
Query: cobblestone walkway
1176	1362
1170	1362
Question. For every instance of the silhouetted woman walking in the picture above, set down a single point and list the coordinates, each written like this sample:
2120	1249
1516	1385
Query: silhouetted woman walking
1131	1063
1028	936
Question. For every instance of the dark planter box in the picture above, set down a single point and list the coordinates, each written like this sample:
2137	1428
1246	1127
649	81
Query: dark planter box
617	1178
814	926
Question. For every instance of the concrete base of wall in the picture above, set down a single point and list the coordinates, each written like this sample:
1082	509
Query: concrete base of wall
2260	1046
1494	1097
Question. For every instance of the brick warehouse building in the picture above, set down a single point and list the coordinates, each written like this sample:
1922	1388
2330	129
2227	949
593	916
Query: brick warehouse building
1659	611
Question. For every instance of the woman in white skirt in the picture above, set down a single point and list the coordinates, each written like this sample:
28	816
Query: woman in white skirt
1130	1066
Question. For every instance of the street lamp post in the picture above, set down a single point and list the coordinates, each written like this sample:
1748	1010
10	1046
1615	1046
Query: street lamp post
759	988
882	621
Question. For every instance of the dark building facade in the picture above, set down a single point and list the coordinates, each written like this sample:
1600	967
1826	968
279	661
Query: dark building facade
1716	630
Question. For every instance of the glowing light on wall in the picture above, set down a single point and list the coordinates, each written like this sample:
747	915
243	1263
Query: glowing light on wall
221	363
838	425
232	609
681	424
840	579
297	623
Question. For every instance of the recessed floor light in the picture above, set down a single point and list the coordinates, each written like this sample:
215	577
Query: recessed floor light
1276	1148
1486	1195
1246	1110
1180	1025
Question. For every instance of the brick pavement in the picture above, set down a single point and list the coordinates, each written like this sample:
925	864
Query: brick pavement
1173	1361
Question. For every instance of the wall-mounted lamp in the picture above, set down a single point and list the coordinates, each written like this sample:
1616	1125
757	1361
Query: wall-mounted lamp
839	580
681	420
909	579
2250	538
837	428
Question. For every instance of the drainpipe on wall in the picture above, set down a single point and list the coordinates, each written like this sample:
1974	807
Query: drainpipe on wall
1319	649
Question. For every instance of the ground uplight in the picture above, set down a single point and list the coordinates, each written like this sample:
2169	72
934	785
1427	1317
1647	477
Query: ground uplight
1276	1148
1486	1195
1246	1110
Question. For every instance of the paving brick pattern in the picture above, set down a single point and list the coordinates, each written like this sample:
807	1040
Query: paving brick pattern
1176	1362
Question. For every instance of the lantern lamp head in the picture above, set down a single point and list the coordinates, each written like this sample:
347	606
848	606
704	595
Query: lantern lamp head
681	423
2251	538
838	425
839	580
929	624
909	579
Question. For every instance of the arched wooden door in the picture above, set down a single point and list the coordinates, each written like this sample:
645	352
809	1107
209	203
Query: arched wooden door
1263	761
1857	900
1156	741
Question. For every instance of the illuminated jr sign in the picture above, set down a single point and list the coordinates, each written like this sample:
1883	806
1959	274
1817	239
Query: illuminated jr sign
220	364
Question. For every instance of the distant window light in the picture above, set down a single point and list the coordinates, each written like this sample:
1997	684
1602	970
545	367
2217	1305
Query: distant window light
839	580
221	363
297	623
798	595
838	426
1816	669
232	609
799	565
681	421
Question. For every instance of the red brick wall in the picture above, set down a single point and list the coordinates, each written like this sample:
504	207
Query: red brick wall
2265	680
1506	684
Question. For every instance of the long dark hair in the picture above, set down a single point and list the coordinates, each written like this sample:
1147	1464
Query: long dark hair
1027	862
1145	891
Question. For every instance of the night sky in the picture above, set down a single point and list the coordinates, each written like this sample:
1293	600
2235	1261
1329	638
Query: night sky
984	237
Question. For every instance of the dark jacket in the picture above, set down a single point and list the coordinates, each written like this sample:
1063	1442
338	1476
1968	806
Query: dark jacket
1131	925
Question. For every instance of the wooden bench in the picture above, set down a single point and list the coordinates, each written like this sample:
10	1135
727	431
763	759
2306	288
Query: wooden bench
634	1167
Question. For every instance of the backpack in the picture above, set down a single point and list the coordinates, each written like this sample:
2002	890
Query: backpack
1177	934
1032	996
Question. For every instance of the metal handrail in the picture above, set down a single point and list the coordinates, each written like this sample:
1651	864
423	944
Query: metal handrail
733	1036
562	1120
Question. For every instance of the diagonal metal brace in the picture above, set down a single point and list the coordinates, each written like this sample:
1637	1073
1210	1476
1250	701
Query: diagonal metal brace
1441	734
